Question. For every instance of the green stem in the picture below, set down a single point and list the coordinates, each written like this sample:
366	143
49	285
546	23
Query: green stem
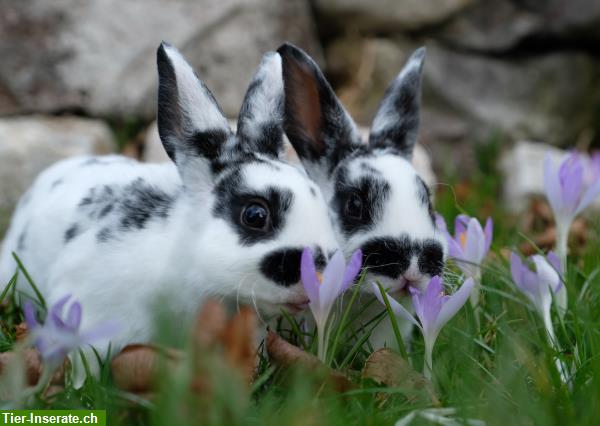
321	349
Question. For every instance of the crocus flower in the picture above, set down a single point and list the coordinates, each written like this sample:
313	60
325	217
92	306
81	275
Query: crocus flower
323	290
570	189
433	309
538	285
60	334
469	246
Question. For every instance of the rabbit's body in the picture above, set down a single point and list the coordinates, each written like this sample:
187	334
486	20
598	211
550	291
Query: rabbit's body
379	202
227	218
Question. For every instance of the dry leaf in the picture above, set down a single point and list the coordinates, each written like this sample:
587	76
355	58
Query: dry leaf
134	369
388	368
21	331
285	354
33	366
238	340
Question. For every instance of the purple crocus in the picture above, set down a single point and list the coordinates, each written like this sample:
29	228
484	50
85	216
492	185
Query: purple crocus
570	189
469	246
60	334
539	285
323	289
433	309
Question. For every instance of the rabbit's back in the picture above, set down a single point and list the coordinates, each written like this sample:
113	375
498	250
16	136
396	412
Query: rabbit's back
79	196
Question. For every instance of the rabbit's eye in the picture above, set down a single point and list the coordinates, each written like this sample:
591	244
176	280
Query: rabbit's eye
354	206
255	215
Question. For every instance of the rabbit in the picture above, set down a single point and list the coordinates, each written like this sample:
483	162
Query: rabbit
226	218
379	202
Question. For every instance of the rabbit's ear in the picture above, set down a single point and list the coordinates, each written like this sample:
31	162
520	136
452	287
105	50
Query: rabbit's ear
260	123
315	121
396	123
190	123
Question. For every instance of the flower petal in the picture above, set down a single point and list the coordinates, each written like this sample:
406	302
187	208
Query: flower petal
571	182
331	287
308	275
431	301
30	319
475	244
398	309
56	312
523	277
552	184
74	316
548	278
488	233
460	225
589	196
352	269
453	304
555	262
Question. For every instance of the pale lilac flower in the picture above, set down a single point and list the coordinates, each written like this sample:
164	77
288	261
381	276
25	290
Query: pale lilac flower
433	309
539	285
323	290
570	189
469	246
60	334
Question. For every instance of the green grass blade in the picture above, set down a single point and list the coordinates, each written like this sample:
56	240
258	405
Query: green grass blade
29	280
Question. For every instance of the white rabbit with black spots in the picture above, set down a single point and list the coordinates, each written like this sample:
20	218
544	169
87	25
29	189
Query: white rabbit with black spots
379	202
227	218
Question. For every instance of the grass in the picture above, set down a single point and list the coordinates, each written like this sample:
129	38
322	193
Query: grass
500	372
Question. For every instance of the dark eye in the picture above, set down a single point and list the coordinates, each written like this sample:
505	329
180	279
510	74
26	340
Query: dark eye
354	206
255	215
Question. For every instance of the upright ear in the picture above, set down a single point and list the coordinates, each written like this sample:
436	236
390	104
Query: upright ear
316	123
260	123
396	123
191	125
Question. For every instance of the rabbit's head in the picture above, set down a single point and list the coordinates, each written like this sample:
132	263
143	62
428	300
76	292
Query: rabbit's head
250	213
379	202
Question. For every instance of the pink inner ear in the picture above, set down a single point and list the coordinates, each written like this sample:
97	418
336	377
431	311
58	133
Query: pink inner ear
304	103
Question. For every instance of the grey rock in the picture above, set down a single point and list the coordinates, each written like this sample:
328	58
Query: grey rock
99	56
30	144
500	25
468	97
387	15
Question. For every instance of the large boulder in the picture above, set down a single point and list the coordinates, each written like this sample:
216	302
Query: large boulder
30	144
99	56
387	15
500	25
468	97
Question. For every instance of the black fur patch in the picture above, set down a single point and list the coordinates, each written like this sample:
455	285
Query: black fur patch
391	257
313	191
104	235
125	208
282	266
233	196
431	259
387	256
72	232
207	143
141	203
373	192
425	197
56	183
